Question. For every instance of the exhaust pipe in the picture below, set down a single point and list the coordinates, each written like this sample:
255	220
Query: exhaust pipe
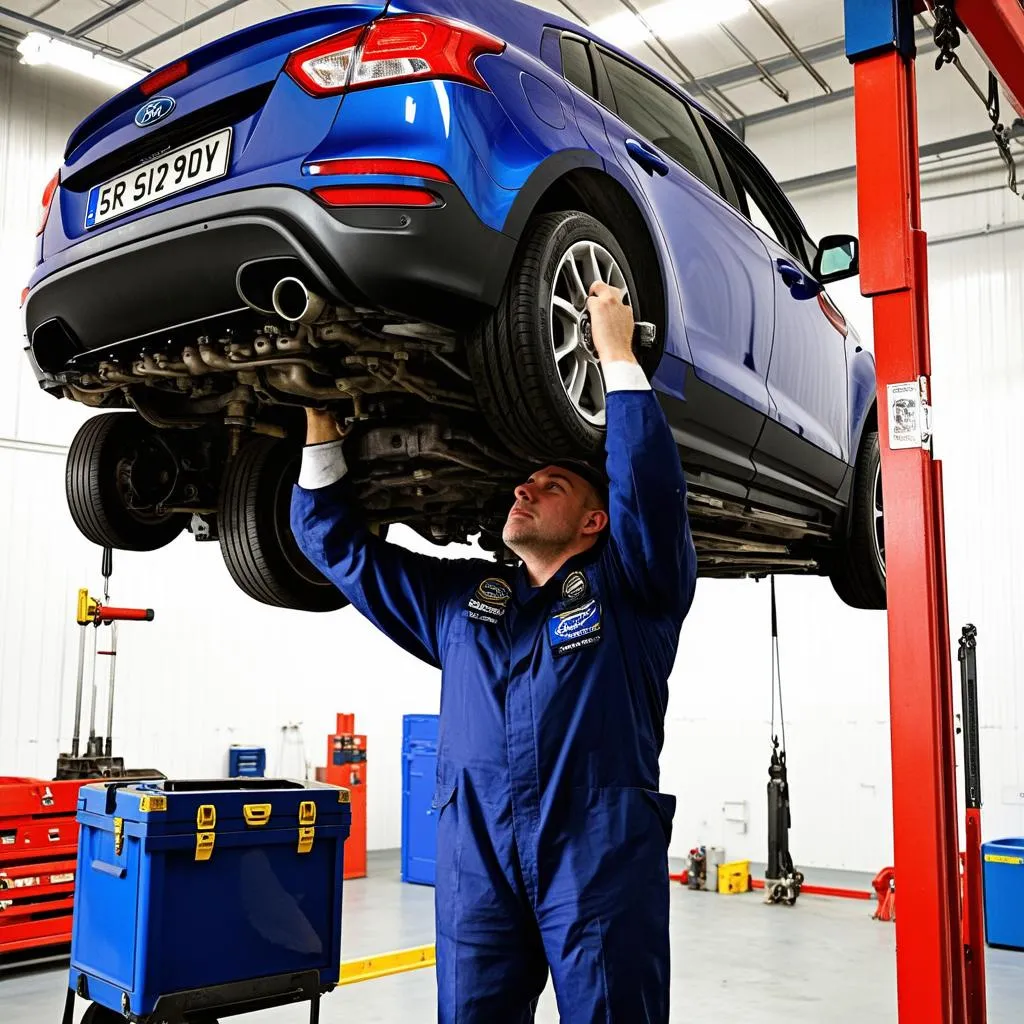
293	301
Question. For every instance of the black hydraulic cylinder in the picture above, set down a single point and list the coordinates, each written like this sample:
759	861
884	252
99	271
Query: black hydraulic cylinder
969	699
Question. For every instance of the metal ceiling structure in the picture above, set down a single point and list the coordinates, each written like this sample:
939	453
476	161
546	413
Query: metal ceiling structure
769	60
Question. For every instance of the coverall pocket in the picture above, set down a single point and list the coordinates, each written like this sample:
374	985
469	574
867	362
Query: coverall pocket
665	805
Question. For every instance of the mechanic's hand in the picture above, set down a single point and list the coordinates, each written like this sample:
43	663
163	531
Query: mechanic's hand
322	426
611	322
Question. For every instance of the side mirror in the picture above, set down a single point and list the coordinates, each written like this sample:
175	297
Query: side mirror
838	258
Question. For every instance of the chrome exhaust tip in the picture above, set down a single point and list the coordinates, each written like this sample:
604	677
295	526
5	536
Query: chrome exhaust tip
294	302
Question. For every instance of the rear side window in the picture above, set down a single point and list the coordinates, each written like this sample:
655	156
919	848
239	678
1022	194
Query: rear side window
659	116
576	65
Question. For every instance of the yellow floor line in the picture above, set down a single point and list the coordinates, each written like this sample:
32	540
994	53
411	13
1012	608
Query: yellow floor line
385	964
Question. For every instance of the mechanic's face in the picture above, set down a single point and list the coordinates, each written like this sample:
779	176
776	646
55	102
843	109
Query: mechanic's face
552	510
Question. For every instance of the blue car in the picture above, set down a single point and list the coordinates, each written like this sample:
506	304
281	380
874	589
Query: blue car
395	210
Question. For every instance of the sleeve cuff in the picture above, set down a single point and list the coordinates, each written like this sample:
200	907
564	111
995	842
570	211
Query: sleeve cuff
322	465
623	376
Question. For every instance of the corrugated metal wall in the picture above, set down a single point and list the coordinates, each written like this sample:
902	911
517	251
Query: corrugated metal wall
215	668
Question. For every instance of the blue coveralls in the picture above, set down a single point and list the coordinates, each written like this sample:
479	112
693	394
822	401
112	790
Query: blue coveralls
552	836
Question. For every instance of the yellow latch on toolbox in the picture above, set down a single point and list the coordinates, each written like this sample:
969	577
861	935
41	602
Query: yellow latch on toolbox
118	836
152	803
344	796
256	814
206	817
306	839
204	845
307	812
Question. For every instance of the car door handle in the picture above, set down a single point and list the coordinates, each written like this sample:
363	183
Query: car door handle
646	157
791	275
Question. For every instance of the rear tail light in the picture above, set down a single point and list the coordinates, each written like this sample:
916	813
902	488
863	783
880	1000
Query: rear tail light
379	165
404	48
48	195
164	77
376	195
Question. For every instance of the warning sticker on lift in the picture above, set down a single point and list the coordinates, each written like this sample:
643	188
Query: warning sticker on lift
904	415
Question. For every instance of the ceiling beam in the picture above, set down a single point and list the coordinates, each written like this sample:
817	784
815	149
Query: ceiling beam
51	30
798	107
102	17
777	65
930	149
199	19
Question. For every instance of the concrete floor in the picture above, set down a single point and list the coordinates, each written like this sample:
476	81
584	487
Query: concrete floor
735	961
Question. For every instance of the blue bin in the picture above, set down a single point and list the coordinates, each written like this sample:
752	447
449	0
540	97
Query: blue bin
1003	872
219	891
247	762
419	820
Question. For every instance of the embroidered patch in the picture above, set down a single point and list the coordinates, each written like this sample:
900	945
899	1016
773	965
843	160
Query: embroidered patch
575	586
481	617
574	629
494	591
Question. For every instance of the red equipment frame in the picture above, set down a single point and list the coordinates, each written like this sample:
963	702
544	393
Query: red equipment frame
940	952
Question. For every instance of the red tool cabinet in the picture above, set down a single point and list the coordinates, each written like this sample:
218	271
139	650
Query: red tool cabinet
38	847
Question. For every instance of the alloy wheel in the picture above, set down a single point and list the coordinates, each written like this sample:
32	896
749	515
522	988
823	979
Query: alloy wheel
578	365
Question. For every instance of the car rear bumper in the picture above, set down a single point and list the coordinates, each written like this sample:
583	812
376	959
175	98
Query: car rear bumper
179	267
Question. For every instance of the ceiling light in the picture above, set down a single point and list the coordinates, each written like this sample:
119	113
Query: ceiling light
670	20
38	48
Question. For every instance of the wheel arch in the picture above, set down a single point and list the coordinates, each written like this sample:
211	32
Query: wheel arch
580	180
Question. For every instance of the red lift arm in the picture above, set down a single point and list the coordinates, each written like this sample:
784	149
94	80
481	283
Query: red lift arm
940	981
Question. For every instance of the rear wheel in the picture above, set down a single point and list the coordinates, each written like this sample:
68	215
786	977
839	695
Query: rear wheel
120	470
96	1014
538	382
858	572
256	538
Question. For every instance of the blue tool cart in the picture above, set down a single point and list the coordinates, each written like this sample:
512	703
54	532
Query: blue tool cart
1003	877
206	898
419	818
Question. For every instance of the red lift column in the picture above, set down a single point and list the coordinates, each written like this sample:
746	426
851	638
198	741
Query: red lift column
894	273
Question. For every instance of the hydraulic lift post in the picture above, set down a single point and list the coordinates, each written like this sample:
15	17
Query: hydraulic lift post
934	976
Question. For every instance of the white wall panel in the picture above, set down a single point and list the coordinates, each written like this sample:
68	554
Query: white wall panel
215	668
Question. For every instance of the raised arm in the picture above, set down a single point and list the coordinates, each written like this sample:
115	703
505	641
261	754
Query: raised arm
650	527
404	594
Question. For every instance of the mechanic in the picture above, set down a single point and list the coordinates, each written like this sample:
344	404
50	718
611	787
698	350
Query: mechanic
552	837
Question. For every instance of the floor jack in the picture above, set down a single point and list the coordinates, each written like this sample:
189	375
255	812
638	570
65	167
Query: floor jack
782	881
97	761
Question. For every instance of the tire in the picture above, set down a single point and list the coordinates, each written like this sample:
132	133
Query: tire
512	353
858	572
118	470
256	539
96	1014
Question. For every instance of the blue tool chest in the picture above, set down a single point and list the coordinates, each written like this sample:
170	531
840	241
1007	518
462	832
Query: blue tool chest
247	762
419	819
198	887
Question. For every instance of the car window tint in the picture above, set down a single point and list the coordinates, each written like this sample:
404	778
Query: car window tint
659	116
576	64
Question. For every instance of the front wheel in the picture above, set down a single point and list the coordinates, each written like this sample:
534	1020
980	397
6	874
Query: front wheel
858	570
538	381
256	538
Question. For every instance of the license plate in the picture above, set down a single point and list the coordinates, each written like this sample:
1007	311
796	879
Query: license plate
191	165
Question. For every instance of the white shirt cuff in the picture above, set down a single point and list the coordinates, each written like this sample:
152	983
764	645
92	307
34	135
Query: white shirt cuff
322	465
624	376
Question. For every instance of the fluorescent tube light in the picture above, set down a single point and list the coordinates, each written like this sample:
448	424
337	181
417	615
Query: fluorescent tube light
40	49
670	20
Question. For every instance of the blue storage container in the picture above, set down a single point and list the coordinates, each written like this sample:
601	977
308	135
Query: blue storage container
419	819
247	762
191	891
1003	871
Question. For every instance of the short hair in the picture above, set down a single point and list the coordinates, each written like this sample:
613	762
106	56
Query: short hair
589	471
